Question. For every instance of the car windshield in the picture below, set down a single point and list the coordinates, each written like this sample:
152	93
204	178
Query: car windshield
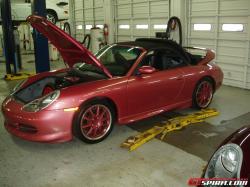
117	59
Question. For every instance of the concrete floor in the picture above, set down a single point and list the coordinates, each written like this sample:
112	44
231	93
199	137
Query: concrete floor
170	163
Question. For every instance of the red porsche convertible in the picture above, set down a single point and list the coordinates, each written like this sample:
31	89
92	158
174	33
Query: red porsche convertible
122	83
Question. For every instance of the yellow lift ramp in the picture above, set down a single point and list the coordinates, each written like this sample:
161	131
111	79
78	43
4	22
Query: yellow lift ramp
18	76
173	124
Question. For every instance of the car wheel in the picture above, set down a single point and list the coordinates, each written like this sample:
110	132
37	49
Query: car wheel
66	28
94	122
203	94
51	16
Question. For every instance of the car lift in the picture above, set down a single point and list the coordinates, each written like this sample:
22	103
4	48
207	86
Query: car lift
10	50
170	125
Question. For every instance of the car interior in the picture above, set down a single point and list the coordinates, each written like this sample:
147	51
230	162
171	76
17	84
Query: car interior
163	60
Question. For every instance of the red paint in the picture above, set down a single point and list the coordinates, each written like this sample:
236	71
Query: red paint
47	90
71	50
135	96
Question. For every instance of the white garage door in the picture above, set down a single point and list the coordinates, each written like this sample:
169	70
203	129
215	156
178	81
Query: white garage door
87	14
223	25
140	18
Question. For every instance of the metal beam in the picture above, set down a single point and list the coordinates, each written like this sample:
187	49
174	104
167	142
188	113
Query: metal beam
8	36
40	42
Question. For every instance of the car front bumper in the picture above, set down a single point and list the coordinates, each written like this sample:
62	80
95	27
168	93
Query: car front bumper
43	126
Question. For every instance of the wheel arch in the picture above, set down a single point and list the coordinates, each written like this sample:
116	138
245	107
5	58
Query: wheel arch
105	99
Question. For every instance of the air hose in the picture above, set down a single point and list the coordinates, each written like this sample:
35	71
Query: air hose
172	22
88	39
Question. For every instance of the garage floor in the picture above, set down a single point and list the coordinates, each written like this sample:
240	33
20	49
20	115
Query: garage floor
170	163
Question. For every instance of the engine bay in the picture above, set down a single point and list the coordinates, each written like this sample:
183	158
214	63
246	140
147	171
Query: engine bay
58	81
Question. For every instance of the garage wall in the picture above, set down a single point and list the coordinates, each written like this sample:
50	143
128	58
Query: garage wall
86	14
232	47
139	18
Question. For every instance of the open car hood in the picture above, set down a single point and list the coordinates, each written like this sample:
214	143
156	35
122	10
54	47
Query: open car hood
71	50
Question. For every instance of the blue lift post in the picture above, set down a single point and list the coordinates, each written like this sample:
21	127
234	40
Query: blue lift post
8	36
40	42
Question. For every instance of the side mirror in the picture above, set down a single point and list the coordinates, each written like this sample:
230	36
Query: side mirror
146	70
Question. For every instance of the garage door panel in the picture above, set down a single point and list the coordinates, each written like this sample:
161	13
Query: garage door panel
78	5
123	11
120	2
140	10
234	83
202	34
201	45
204	7
230	42
232	19
123	38
139	1
98	3
88	3
233	7
87	13
78	14
99	14
201	42
159	8
232	75
124	32
229	51
240	61
232	36
140	16
157	25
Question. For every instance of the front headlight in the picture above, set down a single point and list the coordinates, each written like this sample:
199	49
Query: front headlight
225	163
41	103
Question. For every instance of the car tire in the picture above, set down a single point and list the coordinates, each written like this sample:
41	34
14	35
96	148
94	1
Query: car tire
93	125
203	93
66	28
51	16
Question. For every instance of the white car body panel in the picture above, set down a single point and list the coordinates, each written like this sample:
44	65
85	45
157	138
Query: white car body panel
20	11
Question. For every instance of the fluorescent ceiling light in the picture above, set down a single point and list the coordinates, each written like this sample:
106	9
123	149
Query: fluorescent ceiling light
202	27
124	26
142	26
100	26
163	26
79	27
233	27
88	27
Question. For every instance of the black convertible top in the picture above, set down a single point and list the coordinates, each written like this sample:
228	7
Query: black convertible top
154	43
151	43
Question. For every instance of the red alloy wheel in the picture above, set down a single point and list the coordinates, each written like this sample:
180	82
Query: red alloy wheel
96	122
204	94
47	90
